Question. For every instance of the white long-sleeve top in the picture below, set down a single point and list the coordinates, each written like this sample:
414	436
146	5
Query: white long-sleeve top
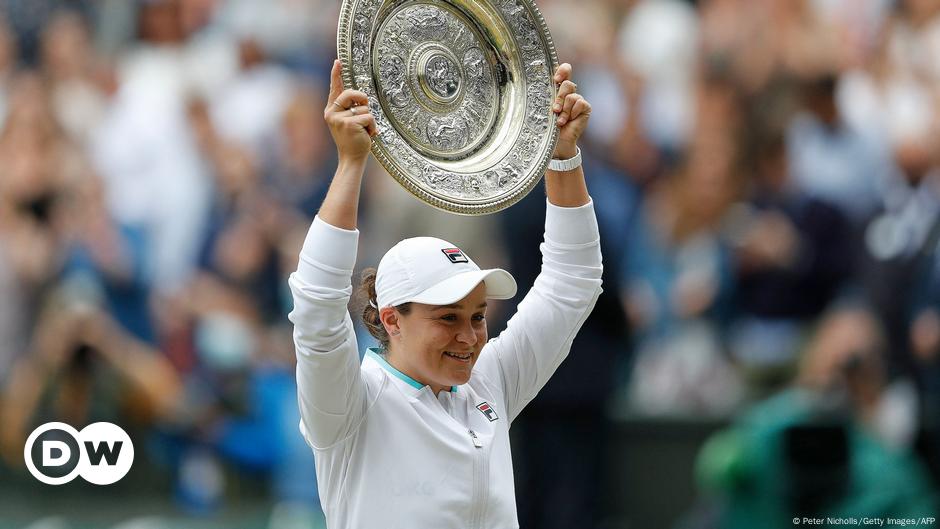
389	452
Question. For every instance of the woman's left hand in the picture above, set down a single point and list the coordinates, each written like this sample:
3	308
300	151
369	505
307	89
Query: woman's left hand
572	112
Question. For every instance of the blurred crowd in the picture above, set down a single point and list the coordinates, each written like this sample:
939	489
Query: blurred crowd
766	175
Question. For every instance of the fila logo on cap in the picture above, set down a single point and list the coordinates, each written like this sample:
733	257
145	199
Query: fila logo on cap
455	255
488	411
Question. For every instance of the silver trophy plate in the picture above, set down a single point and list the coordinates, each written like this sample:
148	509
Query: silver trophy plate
461	91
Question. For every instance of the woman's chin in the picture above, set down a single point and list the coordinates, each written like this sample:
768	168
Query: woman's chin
460	375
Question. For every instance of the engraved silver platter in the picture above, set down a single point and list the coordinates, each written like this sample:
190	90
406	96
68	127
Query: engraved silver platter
461	91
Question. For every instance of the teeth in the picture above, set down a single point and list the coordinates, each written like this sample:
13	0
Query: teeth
455	355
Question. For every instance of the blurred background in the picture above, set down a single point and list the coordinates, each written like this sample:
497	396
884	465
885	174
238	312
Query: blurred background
767	181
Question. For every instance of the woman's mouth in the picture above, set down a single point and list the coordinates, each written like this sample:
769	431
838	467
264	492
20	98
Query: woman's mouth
464	357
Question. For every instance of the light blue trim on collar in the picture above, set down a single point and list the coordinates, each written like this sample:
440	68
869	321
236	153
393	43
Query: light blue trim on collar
375	354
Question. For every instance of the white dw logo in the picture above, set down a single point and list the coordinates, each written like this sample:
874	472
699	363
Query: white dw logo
102	453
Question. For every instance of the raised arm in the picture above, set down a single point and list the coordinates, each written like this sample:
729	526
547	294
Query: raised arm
539	335
329	384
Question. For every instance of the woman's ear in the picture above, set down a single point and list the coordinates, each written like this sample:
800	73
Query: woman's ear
390	320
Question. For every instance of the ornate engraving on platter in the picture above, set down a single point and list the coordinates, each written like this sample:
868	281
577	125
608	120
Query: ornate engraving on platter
473	64
392	70
427	23
442	110
442	76
528	37
464	123
448	133
529	145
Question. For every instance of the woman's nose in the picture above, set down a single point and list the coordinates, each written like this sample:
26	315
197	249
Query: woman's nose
467	335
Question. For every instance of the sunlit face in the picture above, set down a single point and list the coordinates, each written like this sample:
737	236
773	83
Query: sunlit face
438	345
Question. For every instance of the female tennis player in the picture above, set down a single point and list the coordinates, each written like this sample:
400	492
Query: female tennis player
417	435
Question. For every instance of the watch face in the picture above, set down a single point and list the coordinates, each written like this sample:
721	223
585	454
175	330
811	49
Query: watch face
461	91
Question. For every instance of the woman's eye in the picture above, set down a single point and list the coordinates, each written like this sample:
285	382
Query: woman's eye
454	317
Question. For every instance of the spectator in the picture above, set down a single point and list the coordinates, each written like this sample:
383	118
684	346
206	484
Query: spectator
72	75
811	451
27	19
82	368
145	151
658	42
830	160
250	108
30	211
299	172
677	285
789	259
106	259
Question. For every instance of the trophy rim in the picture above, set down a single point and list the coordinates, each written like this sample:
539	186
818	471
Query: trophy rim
385	159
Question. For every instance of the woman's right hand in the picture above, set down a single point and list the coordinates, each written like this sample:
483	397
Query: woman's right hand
351	123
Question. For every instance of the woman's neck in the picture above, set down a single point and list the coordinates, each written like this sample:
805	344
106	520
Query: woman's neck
397	361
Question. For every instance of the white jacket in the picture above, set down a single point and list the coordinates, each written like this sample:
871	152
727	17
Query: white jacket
389	453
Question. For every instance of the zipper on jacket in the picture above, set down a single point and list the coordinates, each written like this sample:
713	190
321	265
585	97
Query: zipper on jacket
480	483
476	440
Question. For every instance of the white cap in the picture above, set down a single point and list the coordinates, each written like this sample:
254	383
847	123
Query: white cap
434	272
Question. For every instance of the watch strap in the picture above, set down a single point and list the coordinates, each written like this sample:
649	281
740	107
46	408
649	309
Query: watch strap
566	165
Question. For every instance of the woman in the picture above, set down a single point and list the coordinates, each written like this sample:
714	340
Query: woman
417	436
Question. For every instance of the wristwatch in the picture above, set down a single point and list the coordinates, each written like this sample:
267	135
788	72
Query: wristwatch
566	165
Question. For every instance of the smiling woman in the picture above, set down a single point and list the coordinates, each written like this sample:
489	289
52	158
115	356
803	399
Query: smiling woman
417	435
439	344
